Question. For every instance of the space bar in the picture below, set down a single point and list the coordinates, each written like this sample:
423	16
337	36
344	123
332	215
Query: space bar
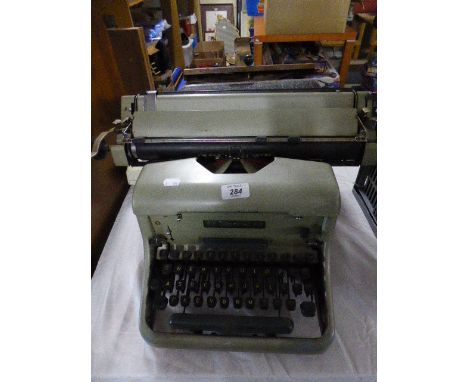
226	324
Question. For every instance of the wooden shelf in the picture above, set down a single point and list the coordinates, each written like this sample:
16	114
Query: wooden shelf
259	32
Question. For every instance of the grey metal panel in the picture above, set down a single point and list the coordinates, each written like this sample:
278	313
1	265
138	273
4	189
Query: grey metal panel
254	101
294	187
325	122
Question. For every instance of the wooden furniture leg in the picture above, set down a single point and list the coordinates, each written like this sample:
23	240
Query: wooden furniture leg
357	47
344	67
258	53
372	43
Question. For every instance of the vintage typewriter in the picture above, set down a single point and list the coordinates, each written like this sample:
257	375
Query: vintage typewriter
236	200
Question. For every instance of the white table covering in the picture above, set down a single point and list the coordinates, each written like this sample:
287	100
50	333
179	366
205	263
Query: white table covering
119	353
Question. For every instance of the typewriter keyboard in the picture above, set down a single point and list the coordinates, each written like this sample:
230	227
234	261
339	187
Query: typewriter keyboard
263	295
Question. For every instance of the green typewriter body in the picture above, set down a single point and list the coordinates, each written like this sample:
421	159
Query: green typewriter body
236	201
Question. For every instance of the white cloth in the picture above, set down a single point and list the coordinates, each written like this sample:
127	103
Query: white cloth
119	353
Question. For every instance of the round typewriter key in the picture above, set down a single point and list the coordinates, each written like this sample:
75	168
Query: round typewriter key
211	301
228	270
180	285
270	287
267	271
290	304
263	303
297	289
161	302
192	270
193	285
185	300
169	285
242	271
206	285
257	287
166	269
174	255
244	287
186	255
179	269
216	270
224	302
235	256
173	300
198	256
198	301
259	256
277	303
218	286
231	286
210	255
222	255
237	302
250	303
204	270
163	254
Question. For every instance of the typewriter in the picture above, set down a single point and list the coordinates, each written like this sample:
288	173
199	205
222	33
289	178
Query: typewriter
236	200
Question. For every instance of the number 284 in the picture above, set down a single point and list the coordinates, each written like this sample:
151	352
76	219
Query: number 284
235	191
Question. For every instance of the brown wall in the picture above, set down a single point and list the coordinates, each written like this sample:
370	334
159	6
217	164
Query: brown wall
108	183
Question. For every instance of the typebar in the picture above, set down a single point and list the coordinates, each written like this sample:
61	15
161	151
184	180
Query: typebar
225	324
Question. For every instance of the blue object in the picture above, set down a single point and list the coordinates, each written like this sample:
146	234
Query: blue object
176	73
252	8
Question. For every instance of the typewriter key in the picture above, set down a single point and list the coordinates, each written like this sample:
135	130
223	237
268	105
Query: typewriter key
297	289
218	286
277	303
204	270
290	304
173	300
163	254
231	286
228	270
186	255
270	287
198	255
192	270
216	270
211	301
210	255
180	285
198	301
244	287
174	255
257	288
185	300
263	303
224	302
169	285
250	303
179	269
166	269
194	285
237	302
206	285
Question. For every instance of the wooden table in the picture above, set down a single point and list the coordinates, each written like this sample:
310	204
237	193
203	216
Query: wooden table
349	38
